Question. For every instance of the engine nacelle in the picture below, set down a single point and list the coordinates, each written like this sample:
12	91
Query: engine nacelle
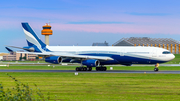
91	63
54	59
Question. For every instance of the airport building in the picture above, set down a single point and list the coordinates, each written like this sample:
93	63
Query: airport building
100	44
2	54
18	56
168	43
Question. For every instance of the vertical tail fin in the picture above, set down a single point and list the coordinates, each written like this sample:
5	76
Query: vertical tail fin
31	38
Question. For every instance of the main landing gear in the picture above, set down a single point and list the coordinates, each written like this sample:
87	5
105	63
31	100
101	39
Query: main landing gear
90	68
83	68
101	68
156	67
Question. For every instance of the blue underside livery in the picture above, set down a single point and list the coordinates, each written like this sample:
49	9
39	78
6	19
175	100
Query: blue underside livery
125	59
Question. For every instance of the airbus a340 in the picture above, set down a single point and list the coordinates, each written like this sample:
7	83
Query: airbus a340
94	56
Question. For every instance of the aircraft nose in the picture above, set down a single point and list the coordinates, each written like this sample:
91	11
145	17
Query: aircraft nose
172	56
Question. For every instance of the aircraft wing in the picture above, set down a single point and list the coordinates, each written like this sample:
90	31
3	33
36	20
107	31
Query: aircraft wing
72	56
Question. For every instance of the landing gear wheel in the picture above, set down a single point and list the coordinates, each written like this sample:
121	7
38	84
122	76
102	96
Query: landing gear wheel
156	69
89	68
105	68
97	69
81	69
77	68
84	68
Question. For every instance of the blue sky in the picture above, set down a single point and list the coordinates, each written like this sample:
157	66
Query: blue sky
83	22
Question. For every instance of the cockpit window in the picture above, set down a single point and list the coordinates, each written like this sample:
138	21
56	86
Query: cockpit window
166	52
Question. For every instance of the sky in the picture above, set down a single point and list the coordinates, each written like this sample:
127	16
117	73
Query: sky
83	22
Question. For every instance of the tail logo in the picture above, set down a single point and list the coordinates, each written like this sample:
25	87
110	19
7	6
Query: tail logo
32	38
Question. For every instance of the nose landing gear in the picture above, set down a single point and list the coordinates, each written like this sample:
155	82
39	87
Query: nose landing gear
156	67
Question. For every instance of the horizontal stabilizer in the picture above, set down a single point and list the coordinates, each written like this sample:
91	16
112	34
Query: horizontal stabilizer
10	50
21	48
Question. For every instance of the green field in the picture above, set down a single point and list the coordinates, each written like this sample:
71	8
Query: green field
151	68
100	86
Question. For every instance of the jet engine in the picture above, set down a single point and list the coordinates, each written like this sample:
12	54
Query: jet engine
91	63
54	59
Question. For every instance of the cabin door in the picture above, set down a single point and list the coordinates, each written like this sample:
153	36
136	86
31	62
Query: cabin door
154	53
122	52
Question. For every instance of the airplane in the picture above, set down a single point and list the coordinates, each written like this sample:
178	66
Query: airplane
94	56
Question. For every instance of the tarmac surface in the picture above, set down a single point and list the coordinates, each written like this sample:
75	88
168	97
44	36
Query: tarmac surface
93	71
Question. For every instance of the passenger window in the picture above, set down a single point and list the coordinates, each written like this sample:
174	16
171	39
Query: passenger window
166	52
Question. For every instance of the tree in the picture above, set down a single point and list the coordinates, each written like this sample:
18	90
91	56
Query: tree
20	58
24	58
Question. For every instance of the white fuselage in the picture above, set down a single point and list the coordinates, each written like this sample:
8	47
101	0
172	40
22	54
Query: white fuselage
152	53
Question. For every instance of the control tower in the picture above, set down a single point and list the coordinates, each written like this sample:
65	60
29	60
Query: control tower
46	31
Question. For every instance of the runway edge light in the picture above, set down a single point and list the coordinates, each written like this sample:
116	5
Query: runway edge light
76	73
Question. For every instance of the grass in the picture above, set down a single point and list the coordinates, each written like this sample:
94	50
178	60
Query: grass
73	67
100	86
